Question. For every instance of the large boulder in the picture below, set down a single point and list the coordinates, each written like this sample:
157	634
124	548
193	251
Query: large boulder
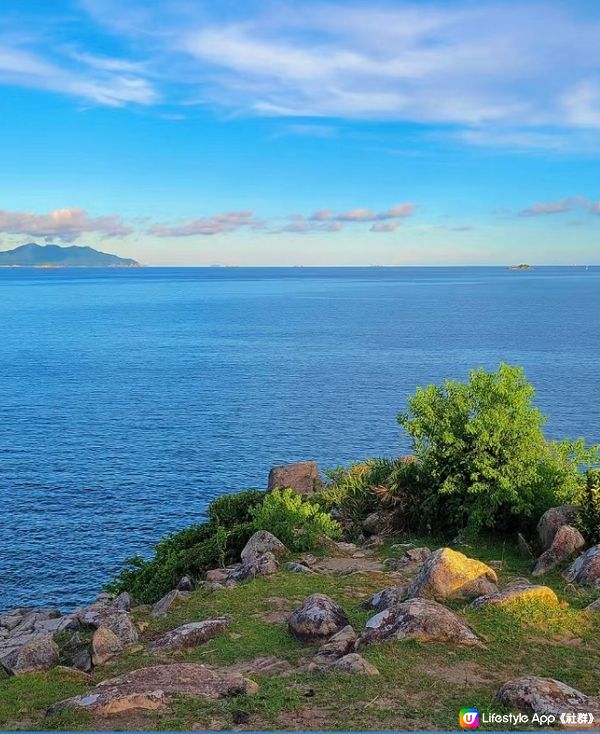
585	570
567	541
448	574
153	687
353	664
317	618
116	620
519	591
124	601
190	635
302	477
418	619
36	656
263	565
105	646
549	697
551	522
263	542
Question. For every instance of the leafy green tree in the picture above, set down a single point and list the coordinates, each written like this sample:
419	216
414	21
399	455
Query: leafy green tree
482	448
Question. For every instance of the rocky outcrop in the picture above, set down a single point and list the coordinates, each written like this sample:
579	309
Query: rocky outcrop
317	618
551	522
294	567
105	646
549	697
448	574
567	541
386	598
519	591
379	523
353	664
155	686
302	477
123	601
336	647
260	543
417	619
585	570
263	565
25	625
189	635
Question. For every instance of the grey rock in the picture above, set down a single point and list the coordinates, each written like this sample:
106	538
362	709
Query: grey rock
336	647
36	656
386	598
418	619
378	523
190	635
297	567
593	607
185	584
123	601
117	620
318	617
585	570
552	520
82	660
518	593
105	646
164	605
263	565
260	543
353	664
567	541
547	696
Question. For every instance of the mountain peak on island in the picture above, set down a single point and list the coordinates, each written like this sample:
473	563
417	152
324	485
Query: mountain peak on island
33	255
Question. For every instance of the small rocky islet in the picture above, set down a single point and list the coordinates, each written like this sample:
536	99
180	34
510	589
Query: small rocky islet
128	660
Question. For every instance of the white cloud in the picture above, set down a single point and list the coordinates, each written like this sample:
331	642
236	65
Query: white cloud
66	224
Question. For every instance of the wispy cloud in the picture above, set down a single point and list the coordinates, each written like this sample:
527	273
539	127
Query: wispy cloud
561	206
66	225
206	226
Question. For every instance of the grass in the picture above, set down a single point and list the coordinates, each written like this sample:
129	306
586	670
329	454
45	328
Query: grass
419	686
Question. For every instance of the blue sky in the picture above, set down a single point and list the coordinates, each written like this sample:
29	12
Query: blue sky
281	133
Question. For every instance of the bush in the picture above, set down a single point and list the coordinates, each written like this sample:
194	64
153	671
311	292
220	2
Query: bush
193	551
589	512
297	522
484	459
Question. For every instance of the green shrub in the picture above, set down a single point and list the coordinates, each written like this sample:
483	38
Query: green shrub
296	521
589	512
484	460
192	551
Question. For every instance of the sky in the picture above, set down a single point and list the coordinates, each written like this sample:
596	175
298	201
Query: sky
313	132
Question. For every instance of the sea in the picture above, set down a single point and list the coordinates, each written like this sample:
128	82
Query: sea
129	399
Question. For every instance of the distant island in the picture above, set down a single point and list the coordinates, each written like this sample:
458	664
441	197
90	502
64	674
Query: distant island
33	255
520	267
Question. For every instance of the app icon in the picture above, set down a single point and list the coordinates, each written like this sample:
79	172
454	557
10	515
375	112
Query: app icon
468	718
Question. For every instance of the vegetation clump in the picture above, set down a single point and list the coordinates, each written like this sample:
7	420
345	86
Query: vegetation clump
589	511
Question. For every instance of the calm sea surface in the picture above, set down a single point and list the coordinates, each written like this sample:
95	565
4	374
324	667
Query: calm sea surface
130	398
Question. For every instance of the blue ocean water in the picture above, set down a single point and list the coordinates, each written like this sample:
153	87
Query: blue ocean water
130	398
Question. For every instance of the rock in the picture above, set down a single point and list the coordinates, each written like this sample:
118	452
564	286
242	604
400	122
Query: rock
28	621
190	635
260	543
104	598
336	647
378	523
217	575
567	541
316	618
117	620
545	696
124	601
585	569
263	565
448	574
593	607
552	520
36	656
164	605
353	663
82	660
185	584
294	567
155	686
266	665
375	541
519	591
417	619
302	477
386	598
105	646
524	547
